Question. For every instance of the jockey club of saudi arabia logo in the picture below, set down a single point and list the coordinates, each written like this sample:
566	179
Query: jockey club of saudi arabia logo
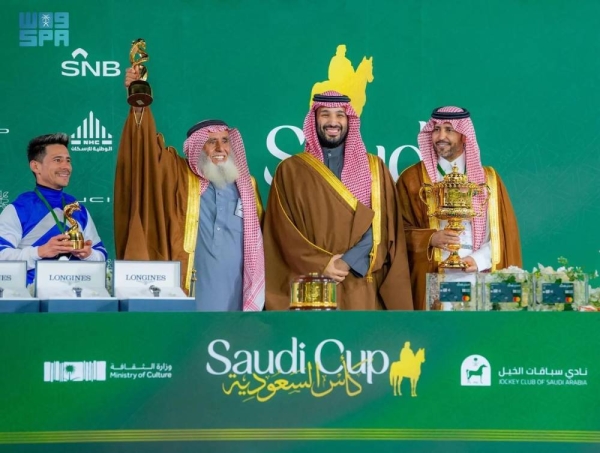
332	368
475	371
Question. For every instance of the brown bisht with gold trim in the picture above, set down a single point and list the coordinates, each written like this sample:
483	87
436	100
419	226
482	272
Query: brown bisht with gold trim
157	198
312	216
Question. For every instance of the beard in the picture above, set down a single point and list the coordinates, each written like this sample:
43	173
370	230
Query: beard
327	142
219	174
449	153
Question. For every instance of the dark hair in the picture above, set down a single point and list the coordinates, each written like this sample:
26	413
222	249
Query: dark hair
36	150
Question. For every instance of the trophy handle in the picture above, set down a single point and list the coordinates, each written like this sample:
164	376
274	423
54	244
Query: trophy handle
424	191
482	206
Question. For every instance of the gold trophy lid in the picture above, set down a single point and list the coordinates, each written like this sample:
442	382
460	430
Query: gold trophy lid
313	277
456	178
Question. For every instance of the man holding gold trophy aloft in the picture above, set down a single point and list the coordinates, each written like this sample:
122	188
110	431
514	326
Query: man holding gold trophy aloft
488	241
202	210
46	222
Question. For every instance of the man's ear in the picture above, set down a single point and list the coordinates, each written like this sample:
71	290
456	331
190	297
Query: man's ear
34	166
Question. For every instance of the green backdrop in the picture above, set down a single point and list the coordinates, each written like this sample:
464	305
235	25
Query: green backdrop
527	70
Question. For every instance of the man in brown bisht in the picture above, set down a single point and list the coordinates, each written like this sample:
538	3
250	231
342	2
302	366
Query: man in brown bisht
489	242
333	209
202	210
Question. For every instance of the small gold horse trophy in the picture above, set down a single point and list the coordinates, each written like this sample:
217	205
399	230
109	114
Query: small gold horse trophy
140	93
75	236
453	201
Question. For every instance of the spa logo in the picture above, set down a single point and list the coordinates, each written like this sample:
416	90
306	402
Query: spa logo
37	29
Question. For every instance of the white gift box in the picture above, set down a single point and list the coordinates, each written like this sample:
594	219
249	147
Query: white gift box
71	279
13	280
147	280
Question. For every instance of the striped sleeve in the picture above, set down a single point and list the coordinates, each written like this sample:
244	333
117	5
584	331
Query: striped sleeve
11	234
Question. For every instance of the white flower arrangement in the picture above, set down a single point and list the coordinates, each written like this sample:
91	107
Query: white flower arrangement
594	299
584	298
509	275
574	275
109	276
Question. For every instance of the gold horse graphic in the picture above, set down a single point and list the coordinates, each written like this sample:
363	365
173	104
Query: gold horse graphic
344	79
409	366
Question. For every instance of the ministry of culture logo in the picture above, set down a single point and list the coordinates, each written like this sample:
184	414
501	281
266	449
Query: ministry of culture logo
3	199
74	371
74	68
35	29
475	371
91	136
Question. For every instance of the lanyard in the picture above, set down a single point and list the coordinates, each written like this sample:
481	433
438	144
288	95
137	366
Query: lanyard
41	197
442	172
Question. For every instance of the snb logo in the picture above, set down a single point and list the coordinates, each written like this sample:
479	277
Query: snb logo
74	371
35	29
74	68
476	371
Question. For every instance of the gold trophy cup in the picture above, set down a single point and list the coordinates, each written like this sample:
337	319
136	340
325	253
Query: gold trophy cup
140	93
452	200
75	236
313	292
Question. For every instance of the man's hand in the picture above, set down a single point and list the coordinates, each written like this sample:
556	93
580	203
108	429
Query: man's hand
55	246
131	75
341	265
84	252
472	265
441	239
336	271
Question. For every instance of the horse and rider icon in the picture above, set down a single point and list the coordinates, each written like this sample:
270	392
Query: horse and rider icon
409	366
342	77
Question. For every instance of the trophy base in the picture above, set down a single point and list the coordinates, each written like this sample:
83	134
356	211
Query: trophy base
140	94
453	262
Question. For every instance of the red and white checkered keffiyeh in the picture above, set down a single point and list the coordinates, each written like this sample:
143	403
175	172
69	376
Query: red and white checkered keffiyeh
254	260
474	169
356	174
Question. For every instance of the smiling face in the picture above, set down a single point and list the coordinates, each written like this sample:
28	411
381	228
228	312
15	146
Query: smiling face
54	170
217	147
332	126
447	142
